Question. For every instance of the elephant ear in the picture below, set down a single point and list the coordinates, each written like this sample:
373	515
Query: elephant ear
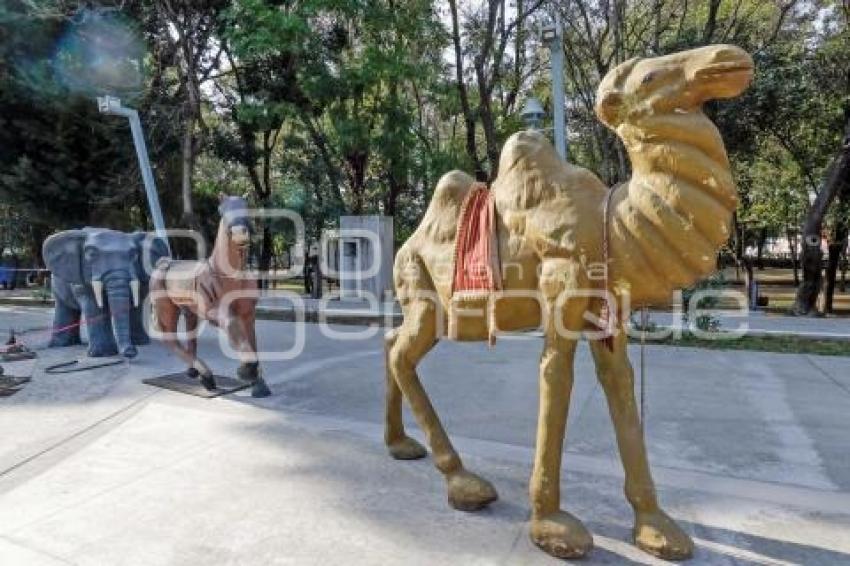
63	255
151	250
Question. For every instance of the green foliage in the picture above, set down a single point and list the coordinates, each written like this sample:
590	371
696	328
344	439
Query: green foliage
62	164
331	107
711	286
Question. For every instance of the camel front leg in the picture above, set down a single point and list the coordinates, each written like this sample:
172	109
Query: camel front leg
555	531
167	321
249	369
654	532
401	446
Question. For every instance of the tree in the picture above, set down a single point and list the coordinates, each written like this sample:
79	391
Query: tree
190	27
488	33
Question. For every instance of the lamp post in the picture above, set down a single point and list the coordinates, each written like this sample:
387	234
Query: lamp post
552	37
533	113
112	105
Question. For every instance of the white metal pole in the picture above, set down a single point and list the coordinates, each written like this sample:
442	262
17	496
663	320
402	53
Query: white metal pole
556	47
147	174
112	105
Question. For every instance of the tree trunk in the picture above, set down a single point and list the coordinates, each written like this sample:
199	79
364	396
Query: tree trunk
188	218
468	116
760	248
838	174
265	257
837	246
795	260
749	282
711	21
357	163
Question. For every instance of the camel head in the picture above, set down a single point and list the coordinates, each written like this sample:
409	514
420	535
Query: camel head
234	216
677	83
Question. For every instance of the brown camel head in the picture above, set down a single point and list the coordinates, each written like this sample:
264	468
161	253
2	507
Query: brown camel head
677	83
235	219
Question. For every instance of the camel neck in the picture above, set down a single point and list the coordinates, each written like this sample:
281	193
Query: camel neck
669	220
685	147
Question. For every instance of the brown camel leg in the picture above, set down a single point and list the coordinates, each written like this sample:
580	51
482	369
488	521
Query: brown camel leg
191	340
401	446
416	337
654	532
167	318
249	370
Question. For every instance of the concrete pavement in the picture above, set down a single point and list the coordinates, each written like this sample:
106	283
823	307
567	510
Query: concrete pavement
749	452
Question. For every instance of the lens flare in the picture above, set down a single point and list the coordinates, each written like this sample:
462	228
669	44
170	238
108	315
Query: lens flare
100	52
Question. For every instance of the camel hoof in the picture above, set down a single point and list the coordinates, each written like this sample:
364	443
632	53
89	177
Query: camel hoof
260	389
561	535
659	535
469	492
248	371
407	449
192	373
208	382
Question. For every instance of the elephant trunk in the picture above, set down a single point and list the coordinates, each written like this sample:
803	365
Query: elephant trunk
118	292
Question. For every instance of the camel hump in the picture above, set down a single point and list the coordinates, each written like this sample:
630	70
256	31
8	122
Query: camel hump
452	188
440	221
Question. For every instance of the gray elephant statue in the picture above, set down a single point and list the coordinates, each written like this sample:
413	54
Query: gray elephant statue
101	276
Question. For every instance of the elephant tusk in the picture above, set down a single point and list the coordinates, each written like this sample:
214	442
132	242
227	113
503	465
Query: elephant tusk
97	287
134	289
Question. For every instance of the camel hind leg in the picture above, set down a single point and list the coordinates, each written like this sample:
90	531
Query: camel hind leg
415	338
196	366
401	446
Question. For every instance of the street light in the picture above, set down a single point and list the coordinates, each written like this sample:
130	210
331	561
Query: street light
551	35
533	113
112	105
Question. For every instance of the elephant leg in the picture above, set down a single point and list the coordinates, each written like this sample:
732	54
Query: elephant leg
654	532
138	335
401	446
66	326
416	337
98	326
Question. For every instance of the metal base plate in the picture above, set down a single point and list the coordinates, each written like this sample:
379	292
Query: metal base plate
182	383
10	385
15	376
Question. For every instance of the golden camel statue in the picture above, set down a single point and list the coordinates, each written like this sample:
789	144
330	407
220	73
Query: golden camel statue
664	227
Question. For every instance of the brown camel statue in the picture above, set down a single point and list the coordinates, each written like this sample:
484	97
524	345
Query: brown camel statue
664	227
197	289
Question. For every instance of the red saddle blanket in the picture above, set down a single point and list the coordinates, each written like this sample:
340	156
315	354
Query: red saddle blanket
476	261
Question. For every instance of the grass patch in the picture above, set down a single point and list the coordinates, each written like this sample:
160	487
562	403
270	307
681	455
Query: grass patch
782	344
